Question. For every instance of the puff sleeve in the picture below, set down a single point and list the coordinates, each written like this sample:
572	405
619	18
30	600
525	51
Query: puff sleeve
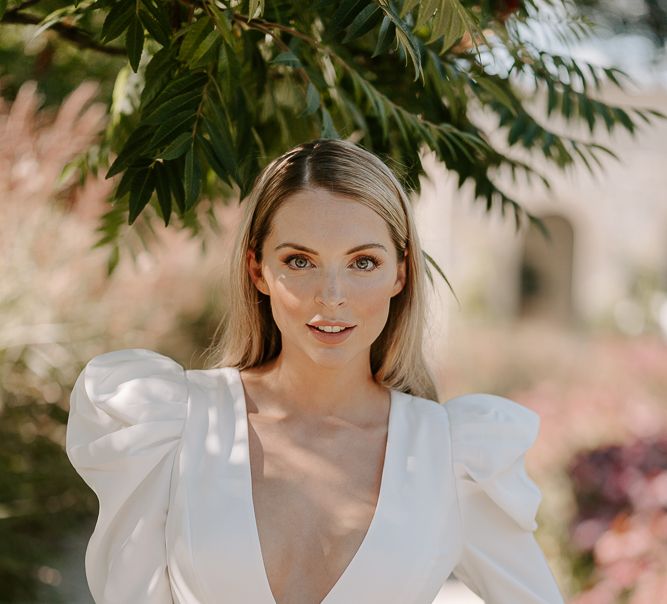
127	413
500	559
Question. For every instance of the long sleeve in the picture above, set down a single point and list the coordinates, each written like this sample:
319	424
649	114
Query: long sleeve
127	413
500	559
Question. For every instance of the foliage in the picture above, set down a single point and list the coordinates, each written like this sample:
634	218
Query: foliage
620	528
57	310
213	90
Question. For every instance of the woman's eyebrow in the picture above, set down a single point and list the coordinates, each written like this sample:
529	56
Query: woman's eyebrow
356	248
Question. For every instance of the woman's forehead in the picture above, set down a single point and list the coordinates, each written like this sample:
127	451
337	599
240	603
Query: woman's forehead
320	203
330	218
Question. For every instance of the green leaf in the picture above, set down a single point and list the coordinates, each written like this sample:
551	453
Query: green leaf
140	192
173	171
118	19
192	176
611	72
189	99
586	110
566	108
552	97
603	110
497	93
163	192
223	21
656	113
213	159
134	146
177	147
530	134
157	74
624	118
593	71
426	10
385	37
134	43
184	83
344	15
154	25
125	183
229	70
221	141
405	38
181	121
194	36
368	18
208	45
516	129
583	157
3	7
450	22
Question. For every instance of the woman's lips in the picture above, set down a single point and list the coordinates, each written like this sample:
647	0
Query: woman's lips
331	338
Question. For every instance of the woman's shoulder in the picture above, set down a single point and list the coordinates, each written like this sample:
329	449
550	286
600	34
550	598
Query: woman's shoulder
126	387
490	436
126	362
480	415
128	410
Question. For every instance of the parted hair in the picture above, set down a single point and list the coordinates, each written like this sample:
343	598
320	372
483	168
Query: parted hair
247	336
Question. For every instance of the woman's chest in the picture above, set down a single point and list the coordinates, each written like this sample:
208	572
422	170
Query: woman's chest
217	529
314	500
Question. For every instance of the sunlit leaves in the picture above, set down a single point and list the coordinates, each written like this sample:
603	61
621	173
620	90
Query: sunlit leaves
213	91
446	19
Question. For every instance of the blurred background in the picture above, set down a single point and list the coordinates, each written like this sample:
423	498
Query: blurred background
574	328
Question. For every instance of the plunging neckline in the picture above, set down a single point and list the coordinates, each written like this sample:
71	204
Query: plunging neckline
241	411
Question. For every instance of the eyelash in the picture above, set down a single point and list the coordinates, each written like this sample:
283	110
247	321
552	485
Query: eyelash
374	259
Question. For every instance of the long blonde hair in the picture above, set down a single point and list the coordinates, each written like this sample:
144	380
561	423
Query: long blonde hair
250	336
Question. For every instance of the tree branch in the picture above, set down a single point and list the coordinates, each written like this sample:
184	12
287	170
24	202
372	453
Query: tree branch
23	5
72	34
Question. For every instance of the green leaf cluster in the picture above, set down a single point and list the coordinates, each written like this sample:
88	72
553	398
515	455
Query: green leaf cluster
225	86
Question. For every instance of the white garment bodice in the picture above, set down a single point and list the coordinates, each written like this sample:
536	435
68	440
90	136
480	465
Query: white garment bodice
166	450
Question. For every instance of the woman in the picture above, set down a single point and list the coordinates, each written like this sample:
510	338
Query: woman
310	462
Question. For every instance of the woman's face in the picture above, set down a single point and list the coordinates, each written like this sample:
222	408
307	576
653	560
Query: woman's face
328	258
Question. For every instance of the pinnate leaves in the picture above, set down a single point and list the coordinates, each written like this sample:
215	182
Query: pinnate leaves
223	90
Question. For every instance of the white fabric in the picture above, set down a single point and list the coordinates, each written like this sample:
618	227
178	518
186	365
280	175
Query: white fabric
166	452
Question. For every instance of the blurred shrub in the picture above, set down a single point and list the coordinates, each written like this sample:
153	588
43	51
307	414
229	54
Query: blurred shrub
619	533
58	308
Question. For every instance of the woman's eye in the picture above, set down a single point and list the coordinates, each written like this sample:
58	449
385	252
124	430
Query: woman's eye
300	259
369	262
364	263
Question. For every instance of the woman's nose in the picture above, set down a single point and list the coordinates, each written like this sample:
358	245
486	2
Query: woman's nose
331	290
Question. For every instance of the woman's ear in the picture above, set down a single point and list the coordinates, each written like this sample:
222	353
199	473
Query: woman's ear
401	274
255	272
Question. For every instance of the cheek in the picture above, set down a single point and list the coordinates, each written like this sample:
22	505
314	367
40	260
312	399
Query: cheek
288	298
371	299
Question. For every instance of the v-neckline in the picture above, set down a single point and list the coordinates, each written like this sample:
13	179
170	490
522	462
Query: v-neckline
242	440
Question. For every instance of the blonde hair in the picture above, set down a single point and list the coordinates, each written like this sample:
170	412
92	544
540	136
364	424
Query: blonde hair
250	336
